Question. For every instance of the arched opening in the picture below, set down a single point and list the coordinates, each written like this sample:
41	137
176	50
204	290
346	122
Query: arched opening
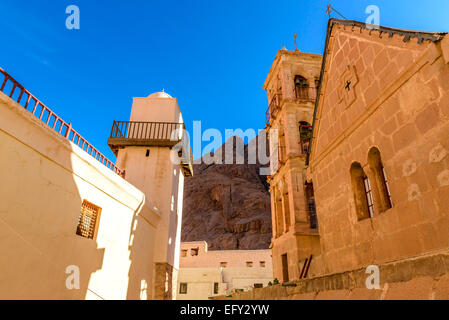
361	187
301	87
305	135
379	175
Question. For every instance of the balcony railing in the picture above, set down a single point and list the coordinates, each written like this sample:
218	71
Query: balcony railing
274	107
136	133
22	96
151	134
306	93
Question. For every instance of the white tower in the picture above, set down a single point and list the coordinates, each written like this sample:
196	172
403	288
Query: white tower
145	147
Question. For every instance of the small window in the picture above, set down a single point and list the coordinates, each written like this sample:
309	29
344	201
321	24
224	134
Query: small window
194	252
223	264
361	187
183	288
301	87
369	196
249	264
88	220
184	253
258	285
262	264
148	153
387	186
216	288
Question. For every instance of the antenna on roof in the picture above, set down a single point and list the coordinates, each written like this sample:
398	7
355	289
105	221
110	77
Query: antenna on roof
330	9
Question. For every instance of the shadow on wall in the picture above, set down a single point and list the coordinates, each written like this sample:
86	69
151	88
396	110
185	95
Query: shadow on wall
140	275
40	208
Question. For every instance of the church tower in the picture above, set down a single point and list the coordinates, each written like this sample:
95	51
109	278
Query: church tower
291	88
154	153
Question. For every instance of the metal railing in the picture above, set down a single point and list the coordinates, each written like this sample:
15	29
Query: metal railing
274	107
21	95
164	131
305	93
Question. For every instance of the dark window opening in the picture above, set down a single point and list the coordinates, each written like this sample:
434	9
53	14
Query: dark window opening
285	267
183	288
148	153
305	135
301	87
258	285
216	288
311	206
194	251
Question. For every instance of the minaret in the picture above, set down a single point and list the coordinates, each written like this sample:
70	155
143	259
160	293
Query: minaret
145	146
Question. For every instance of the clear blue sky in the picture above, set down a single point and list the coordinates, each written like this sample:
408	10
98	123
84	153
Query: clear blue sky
211	55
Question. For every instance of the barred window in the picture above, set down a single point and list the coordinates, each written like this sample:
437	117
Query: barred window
88	220
369	196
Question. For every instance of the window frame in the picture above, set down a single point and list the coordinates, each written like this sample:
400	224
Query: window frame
95	228
181	286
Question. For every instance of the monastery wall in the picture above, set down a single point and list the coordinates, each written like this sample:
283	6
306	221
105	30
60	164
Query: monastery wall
45	179
419	278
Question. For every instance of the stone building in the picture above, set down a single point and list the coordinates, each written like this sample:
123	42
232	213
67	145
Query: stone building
73	224
379	160
377	167
204	274
291	88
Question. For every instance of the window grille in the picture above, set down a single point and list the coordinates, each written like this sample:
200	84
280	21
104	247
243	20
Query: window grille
88	220
387	187
369	196
312	214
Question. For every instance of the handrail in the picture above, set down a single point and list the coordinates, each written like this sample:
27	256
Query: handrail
141	130
54	121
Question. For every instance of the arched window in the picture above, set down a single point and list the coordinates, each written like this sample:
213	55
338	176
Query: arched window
305	135
301	87
379	175
363	196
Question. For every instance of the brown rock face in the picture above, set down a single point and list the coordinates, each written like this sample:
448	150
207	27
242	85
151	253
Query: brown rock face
228	205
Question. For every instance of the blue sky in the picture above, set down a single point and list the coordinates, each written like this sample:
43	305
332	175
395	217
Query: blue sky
213	56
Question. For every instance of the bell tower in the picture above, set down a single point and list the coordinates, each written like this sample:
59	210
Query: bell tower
153	150
291	88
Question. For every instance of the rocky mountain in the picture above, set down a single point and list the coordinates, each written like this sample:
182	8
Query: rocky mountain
228	205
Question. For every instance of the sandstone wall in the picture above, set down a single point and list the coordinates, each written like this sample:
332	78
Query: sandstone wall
419	278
